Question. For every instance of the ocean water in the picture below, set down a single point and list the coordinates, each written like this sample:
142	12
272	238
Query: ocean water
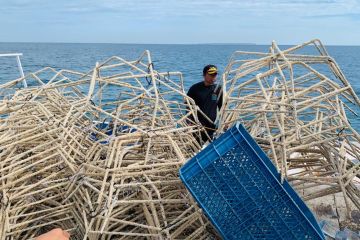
188	59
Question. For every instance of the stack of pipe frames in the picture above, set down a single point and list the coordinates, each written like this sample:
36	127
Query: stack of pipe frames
98	153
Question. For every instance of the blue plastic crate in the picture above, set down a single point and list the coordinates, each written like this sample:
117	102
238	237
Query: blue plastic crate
239	189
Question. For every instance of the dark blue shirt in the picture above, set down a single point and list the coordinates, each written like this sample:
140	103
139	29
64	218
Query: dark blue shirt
208	98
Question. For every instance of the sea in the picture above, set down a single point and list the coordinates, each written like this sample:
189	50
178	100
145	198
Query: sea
186	58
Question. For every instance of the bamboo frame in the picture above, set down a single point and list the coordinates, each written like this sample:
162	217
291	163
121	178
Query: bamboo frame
59	168
297	108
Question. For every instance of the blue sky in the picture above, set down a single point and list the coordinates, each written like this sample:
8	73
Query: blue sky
335	22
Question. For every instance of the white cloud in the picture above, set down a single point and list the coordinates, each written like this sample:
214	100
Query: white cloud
183	20
164	8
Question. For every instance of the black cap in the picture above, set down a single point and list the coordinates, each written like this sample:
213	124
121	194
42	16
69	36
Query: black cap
210	69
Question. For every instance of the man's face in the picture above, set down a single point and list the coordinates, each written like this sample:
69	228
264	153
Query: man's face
210	79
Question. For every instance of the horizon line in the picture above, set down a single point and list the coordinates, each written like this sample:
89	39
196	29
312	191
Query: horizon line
219	43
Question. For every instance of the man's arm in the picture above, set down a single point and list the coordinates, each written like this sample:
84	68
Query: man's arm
220	97
55	234
190	94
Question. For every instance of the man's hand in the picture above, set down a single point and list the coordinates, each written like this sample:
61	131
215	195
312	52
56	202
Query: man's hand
55	234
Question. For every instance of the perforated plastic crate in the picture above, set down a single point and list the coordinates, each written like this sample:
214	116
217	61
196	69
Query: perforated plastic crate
239	189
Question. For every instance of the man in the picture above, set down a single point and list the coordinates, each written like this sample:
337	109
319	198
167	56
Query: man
208	96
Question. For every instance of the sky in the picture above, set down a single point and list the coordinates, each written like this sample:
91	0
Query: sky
335	22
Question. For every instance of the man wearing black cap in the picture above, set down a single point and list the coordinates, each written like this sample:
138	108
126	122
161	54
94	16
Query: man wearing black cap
208	96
